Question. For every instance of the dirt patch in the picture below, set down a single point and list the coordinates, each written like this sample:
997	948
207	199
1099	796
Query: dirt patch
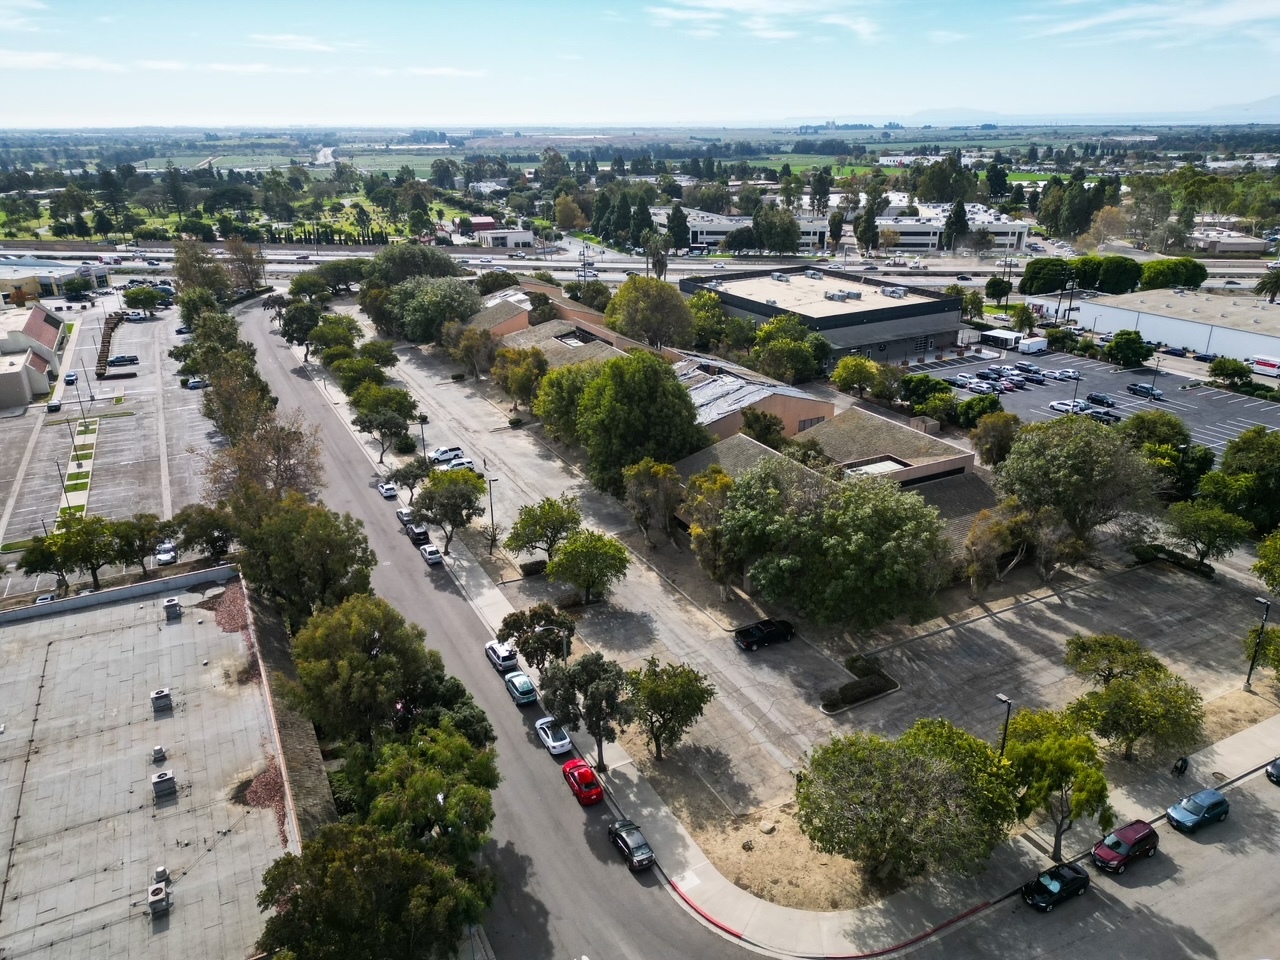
499	565
781	867
1227	715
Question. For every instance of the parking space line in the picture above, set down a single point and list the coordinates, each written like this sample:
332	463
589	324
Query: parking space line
1237	399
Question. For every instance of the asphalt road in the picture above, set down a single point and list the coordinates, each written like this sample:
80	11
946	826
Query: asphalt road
1211	894
564	890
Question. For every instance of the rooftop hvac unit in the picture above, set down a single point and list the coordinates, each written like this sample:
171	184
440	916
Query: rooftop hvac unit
163	784
813	274
161	700
852	294
771	303
172	609
158	899
780	277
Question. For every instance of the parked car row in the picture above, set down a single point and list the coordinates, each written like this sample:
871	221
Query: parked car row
1128	844
1006	379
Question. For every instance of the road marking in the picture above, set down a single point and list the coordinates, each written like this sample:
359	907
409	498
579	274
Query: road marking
1237	399
1257	403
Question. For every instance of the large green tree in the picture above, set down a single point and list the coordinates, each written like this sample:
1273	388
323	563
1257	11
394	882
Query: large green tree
326	906
1251	464
1210	532
544	525
855	373
589	560
635	408
541	634
385	426
1080	468
1158	707
1128	350
451	499
863	550
1058	772
667	699
706	497
305	556
1102	658
589	693
560	396
651	311
936	798
994	436
420	307
652	495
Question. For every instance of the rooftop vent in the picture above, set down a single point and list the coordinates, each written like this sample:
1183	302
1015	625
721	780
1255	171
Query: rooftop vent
780	277
161	700
157	754
163	784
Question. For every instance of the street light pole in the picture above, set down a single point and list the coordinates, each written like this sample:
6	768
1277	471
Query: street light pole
493	523
1008	709
1159	360
1257	646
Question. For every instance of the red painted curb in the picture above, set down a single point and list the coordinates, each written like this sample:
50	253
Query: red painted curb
702	913
838	956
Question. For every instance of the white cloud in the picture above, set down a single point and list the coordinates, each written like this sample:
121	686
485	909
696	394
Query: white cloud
1171	20
297	41
255	68
165	65
50	60
443	72
764	19
14	15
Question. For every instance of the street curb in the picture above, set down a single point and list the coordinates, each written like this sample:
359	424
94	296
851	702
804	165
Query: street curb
883	951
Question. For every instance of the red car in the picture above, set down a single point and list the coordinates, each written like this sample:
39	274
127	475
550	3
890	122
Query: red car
582	781
1117	850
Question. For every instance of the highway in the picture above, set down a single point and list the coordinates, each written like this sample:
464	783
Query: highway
565	892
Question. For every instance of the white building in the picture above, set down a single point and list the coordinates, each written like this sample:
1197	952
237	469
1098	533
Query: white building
505	239
708	229
923	233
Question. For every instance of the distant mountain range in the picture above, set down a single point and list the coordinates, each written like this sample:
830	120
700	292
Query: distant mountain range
1257	111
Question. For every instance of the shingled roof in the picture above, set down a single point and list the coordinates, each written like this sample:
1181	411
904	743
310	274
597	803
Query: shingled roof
854	436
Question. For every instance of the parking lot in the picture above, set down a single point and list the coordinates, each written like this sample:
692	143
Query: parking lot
150	435
1215	417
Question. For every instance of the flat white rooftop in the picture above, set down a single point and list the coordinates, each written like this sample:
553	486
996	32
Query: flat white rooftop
806	296
1243	311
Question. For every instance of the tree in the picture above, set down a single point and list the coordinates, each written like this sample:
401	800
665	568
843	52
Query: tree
359	666
678	227
1209	531
594	294
300	319
569	214
1251	462
1057	771
651	311
1128	350
1157	428
855	373
208	529
863	550
544	525
996	536
588	693
137	537
706	496
776	229
1231	372
935	798
411	474
85	543
997	288
419	908
385	426
1079	468
956	227
473	349
46	555
635	408
304	556
590	561
667	700
310	286
1267	568
994	437
371	398
867	232
763	427
560	396
248	265
420	307
281	455
652	495
1103	658
354	371
519	372
143	298
835	228
451	499
541	633
1158	707
195	267
1268	286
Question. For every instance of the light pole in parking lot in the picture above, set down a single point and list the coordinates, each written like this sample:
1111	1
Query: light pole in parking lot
1008	709
493	523
1257	646
1159	360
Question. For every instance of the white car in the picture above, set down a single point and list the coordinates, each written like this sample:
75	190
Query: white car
486	259
1068	406
717	266
502	656
464	463
1068	374
431	553
965	378
553	736
445	454
166	553
388	490
980	388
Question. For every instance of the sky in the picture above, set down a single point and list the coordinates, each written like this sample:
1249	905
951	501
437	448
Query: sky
459	64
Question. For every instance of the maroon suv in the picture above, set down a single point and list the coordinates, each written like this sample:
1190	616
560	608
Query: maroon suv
1114	851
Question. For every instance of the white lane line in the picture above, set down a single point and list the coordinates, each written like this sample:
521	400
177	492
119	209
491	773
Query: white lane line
1237	399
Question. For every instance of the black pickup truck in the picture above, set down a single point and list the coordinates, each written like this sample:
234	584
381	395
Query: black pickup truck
762	633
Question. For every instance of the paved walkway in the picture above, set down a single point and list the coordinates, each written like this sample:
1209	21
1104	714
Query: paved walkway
927	909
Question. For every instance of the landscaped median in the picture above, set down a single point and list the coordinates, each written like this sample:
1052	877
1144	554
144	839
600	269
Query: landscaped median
869	682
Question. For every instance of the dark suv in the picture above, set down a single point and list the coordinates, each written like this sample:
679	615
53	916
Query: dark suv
1145	390
1119	848
1101	399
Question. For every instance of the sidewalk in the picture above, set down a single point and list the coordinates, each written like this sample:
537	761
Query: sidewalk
892	925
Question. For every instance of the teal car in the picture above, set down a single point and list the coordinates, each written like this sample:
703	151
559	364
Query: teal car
520	688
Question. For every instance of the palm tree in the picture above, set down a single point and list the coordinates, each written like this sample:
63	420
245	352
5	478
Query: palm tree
1269	286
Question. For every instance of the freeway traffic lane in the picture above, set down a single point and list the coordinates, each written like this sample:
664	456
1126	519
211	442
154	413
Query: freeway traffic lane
564	891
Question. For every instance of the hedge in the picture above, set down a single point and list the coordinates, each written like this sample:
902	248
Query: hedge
1146	552
533	568
870	681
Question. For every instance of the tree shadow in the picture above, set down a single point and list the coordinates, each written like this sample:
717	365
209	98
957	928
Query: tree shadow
517	923
714	767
